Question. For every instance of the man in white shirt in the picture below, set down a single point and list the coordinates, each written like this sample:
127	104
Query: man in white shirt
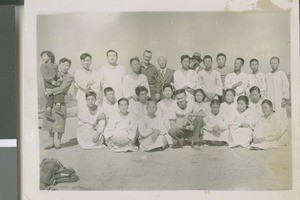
256	78
210	80
111	74
238	79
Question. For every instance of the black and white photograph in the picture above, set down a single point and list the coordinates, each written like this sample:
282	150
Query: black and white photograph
163	100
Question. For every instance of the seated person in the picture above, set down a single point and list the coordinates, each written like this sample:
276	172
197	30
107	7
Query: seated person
200	101
215	131
229	106
91	122
242	125
153	130
110	106
185	123
255	102
120	132
138	108
270	131
165	106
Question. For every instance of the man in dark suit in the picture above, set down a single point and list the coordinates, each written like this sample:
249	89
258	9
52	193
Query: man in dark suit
165	75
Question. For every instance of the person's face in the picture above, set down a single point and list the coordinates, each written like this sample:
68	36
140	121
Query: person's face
255	96
254	66
237	65
274	64
45	58
86	63
181	99
215	109
136	66
229	97
199	96
151	109
168	93
143	97
112	57
207	63
64	67
267	110
147	57
162	63
123	106
185	63
221	60
111	96
194	62
241	106
90	100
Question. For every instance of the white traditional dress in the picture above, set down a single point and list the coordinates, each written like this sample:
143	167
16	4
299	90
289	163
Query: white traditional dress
117	132
258	79
229	110
211	121
256	110
204	106
130	82
210	82
109	109
270	128
277	89
137	108
185	78
112	76
85	129
81	78
146	125
163	109
233	78
241	136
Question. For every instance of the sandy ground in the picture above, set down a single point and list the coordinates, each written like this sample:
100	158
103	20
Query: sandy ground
212	168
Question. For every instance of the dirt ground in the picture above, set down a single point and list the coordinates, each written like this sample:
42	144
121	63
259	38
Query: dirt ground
212	168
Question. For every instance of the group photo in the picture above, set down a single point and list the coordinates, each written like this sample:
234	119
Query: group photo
164	101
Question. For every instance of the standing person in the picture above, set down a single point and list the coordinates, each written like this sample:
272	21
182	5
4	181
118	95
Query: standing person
277	87
153	130
210	80
224	70
134	79
91	123
256	78
111	74
237	80
151	72
60	117
166	75
185	123
186	78
196	63
85	79
120	132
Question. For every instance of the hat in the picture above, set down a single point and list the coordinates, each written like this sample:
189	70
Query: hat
197	56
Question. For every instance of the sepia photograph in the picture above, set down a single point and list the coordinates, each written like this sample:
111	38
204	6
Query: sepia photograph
159	100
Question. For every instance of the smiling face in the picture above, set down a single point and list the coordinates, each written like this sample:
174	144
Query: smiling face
143	97
135	66
147	57
45	58
86	63
91	100
64	67
221	60
123	106
199	97
185	63
267	109
241	106
181	99
168	93
112	58
254	66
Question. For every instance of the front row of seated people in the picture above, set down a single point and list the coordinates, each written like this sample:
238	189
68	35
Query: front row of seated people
125	126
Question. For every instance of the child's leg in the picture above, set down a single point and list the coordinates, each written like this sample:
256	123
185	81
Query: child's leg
49	104
58	143
59	99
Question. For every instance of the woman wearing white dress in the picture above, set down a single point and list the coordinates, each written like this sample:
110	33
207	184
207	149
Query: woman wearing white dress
120	132
270	131
164	107
91	123
216	125
200	101
186	78
241	128
85	79
229	106
153	130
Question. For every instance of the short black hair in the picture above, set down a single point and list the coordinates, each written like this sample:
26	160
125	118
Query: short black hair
123	99
84	56
215	101
221	54
168	85
244	98
184	57
134	58
230	90
202	92
50	54
242	60
108	89
254	88
140	89
90	93
63	60
207	57
253	60
147	51
267	101
275	57
111	50
180	91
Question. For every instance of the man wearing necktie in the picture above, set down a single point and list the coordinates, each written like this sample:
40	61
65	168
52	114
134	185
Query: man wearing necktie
166	75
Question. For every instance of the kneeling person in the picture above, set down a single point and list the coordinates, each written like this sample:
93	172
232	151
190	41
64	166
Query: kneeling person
153	130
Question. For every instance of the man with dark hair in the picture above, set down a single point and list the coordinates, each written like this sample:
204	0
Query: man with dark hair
109	106
111	74
256	78
152	74
138	108
196	62
224	70
237	80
